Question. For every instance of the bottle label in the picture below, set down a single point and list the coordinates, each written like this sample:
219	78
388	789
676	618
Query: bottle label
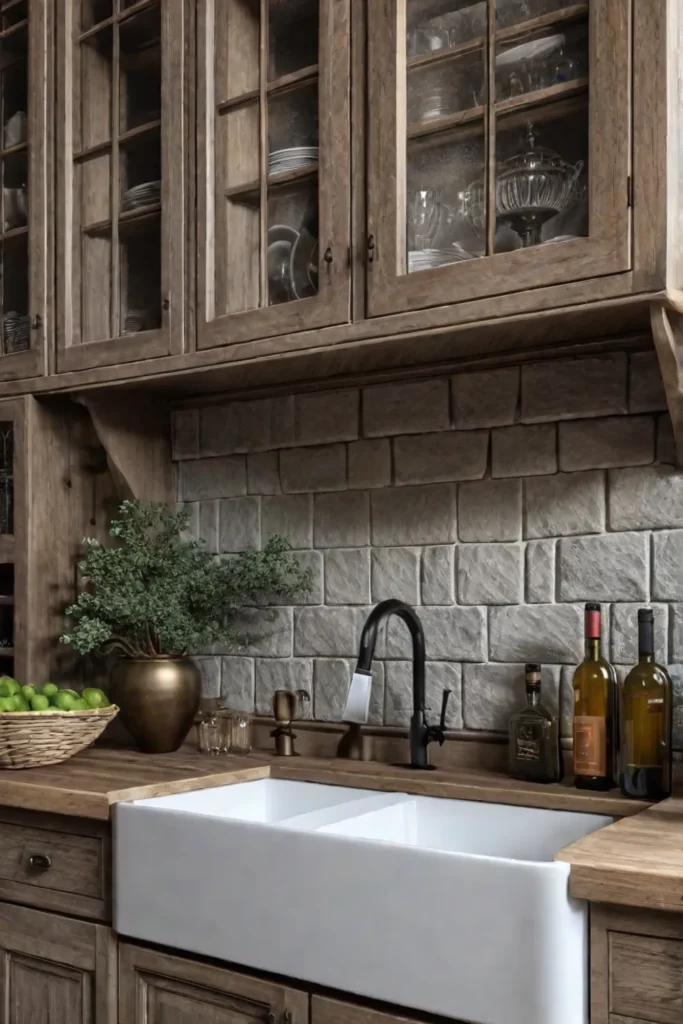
590	745
528	743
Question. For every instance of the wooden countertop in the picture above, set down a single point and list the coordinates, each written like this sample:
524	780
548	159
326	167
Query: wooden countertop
91	783
637	862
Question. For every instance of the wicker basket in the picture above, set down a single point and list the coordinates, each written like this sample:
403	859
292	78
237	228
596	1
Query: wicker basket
32	739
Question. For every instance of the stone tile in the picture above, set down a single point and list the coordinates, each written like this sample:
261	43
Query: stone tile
624	633
240	524
549	634
676	673
540	572
263	473
666	445
437	582
246	426
326	632
271	629
487	398
667	575
396	573
645	385
347	576
567	701
414	515
331	679
369	463
564	504
199	479
492	693
489	574
414	407
185	433
290	516
615	567
604	443
676	618
210	669
454	634
561	389
490	510
326	416
435	458
323	468
523	451
342	520
208	524
290	674
645	499
439	676
237	683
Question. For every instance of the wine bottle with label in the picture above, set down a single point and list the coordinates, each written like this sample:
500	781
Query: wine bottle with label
594	686
534	750
646	710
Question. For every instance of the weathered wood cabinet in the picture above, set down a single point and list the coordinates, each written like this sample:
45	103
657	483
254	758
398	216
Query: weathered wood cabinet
55	970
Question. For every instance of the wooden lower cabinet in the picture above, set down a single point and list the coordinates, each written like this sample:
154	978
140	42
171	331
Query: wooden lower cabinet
636	966
156	988
334	1011
54	969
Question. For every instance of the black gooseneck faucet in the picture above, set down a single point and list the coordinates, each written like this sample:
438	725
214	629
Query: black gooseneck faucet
421	734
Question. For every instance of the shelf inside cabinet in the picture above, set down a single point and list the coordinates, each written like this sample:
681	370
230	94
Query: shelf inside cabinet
250	192
132	135
19	232
277	85
128	220
6	600
553	19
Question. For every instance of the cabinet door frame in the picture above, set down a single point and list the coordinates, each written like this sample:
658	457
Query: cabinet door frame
607	250
332	304
140	967
71	946
33	363
73	354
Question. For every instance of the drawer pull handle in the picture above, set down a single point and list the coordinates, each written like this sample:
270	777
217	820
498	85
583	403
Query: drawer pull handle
39	862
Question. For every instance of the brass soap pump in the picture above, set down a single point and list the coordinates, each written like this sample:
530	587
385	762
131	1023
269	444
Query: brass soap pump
284	711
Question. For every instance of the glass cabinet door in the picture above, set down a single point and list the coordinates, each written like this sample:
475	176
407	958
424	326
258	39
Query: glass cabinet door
273	176
499	147
24	52
120	159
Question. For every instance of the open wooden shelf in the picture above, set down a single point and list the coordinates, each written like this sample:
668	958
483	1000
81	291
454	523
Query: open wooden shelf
275	87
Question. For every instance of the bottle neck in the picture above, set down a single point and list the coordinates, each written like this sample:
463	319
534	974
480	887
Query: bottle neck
646	645
533	695
592	648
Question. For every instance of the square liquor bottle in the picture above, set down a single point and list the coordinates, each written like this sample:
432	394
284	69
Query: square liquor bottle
535	752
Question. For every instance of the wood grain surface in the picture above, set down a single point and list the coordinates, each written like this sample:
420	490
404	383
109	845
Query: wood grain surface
89	784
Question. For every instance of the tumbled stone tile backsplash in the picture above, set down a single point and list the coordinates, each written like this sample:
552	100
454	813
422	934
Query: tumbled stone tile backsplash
496	501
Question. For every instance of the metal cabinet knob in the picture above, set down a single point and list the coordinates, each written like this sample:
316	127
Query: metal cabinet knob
39	862
328	255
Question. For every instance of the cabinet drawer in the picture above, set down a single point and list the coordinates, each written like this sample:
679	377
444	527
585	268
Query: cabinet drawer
646	977
54	869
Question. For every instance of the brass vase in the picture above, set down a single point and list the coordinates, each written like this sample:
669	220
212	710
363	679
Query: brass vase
158	698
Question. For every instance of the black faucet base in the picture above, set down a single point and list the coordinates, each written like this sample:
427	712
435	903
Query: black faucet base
416	767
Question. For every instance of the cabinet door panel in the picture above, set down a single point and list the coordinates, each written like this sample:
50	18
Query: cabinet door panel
121	231
158	988
499	147
274	167
55	970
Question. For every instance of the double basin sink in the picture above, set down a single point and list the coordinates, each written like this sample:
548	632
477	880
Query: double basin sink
450	907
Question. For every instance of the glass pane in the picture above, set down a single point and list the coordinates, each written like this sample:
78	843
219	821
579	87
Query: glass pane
6	477
266	147
441	24
94	102
14	247
95	11
445	200
545	61
513	12
447	87
542	175
293	242
292	36
140	256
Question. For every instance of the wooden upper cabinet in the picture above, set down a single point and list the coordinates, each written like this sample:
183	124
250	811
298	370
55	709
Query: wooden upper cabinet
25	114
273	110
499	147
121	239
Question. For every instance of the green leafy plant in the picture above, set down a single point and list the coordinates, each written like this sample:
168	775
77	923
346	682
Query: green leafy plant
155	593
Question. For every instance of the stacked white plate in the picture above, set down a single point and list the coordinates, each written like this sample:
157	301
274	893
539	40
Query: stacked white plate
145	194
15	329
427	259
290	159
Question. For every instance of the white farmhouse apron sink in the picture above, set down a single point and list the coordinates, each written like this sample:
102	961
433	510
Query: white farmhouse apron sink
445	906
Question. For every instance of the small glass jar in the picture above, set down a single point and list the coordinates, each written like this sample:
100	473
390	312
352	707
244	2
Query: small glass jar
209	733
240	733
